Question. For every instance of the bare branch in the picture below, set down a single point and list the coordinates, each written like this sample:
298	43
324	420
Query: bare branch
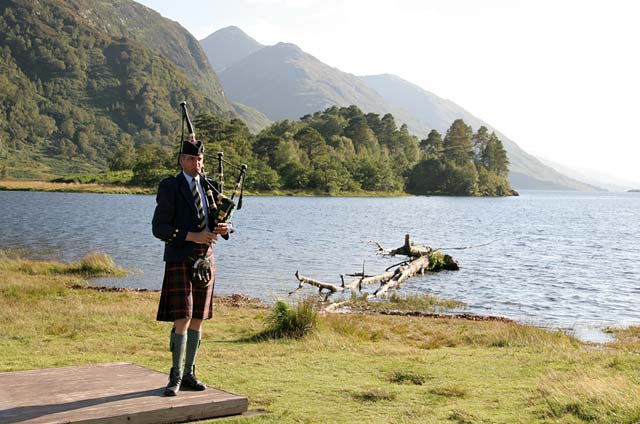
331	288
422	259
466	247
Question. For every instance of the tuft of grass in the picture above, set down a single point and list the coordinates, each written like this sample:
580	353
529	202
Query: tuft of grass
407	377
463	417
425	303
373	395
411	303
598	397
449	391
289	322
94	264
627	339
353	329
97	264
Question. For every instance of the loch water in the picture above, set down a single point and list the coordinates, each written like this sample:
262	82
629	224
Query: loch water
568	260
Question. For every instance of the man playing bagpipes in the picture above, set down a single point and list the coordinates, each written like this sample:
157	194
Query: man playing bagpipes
184	220
181	221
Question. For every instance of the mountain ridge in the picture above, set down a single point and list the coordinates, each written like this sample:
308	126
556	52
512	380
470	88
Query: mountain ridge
220	55
284	82
397	96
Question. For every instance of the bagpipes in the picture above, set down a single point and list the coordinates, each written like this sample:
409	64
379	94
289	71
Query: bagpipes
221	207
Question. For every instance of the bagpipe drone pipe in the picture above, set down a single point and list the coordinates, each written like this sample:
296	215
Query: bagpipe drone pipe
221	207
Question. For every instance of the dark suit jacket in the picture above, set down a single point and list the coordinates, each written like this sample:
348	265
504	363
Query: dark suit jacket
175	216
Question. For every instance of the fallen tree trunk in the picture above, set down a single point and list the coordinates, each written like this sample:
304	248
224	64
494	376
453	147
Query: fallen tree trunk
402	273
423	259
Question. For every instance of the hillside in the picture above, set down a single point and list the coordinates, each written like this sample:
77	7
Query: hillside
131	20
71	93
526	171
256	121
284	82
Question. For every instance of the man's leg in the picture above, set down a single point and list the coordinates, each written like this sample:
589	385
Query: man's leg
194	334
178	346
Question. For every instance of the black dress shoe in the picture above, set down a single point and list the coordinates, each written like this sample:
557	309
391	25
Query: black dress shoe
174	382
190	382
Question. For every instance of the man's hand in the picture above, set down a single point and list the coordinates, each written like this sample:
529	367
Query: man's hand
222	228
203	237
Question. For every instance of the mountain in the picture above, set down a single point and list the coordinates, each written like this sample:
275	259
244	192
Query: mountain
72	91
526	171
228	46
284	82
598	179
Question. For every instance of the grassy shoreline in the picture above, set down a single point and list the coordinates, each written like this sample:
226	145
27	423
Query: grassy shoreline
76	187
30	185
353	368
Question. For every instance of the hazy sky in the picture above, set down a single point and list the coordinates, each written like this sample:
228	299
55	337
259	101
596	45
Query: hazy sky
559	77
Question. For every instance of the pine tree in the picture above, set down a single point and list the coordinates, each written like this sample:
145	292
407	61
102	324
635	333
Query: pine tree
480	140
433	146
494	156
457	143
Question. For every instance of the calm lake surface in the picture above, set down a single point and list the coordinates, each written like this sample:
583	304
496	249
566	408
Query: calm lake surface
557	259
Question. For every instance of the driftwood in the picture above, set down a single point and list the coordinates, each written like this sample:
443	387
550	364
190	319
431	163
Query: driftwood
422	259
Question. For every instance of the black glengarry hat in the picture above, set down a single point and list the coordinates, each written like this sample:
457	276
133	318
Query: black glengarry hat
192	147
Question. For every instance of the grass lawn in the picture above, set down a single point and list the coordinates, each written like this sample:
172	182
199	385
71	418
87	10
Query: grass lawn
355	367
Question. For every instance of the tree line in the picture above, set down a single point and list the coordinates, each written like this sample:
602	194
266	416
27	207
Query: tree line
340	149
82	100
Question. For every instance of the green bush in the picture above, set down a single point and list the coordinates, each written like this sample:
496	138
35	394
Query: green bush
286	321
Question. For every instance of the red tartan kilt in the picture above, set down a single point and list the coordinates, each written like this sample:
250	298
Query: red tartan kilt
181	299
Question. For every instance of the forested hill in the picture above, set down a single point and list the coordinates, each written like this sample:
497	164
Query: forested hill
71	93
126	18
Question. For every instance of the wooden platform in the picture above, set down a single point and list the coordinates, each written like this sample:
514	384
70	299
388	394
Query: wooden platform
106	393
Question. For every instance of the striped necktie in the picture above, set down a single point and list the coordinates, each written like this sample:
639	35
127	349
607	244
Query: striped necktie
198	200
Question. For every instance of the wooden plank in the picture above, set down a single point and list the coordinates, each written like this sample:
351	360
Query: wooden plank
106	394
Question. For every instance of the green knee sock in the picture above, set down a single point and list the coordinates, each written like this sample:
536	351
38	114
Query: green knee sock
178	343
193	342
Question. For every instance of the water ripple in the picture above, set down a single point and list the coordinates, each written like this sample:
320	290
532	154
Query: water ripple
562	260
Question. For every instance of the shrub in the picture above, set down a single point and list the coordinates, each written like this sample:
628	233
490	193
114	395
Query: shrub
96	264
407	377
373	395
286	321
